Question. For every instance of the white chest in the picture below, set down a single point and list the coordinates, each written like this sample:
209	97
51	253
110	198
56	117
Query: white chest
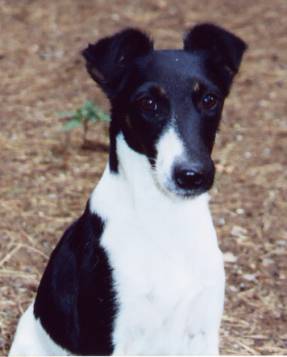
168	274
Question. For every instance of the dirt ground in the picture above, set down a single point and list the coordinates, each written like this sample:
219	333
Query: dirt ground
45	182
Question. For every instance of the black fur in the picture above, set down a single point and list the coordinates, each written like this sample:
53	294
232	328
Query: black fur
75	301
223	49
108	60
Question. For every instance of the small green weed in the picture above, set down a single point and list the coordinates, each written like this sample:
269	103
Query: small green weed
87	114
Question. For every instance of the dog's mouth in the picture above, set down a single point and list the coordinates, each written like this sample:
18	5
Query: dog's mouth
186	194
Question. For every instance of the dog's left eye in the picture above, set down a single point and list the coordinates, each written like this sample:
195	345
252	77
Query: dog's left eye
209	101
146	104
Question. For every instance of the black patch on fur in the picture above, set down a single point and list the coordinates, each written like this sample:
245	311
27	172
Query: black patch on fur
113	157
75	301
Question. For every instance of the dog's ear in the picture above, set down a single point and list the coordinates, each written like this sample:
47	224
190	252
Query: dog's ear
223	47
108	59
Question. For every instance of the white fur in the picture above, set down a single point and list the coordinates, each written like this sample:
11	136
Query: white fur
167	267
169	149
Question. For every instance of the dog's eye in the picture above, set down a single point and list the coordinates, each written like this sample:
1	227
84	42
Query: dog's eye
146	104
209	101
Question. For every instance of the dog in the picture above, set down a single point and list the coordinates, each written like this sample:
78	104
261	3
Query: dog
140	272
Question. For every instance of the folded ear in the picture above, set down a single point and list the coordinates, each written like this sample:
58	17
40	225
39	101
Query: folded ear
224	47
108	59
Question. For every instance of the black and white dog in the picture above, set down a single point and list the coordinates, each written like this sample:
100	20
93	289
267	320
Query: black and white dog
140	272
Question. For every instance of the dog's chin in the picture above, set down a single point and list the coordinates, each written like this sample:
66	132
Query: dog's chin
184	194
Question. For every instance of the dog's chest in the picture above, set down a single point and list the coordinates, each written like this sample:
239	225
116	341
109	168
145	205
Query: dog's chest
166	269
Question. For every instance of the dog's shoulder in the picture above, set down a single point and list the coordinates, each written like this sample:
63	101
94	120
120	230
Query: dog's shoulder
75	297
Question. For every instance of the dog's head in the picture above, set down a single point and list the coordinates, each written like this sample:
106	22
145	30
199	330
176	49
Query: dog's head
168	103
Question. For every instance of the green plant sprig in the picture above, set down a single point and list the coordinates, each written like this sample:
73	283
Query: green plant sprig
89	112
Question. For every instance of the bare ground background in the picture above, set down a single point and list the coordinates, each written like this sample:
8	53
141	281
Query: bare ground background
44	183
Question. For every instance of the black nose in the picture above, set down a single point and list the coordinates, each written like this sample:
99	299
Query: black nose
188	178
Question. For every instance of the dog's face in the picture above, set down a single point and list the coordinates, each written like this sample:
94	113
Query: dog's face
168	104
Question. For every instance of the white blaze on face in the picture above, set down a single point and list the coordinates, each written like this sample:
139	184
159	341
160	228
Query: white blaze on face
169	149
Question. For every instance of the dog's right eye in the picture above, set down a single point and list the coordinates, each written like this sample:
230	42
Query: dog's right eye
209	101
146	104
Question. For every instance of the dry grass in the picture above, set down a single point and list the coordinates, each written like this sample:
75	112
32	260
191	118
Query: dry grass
44	184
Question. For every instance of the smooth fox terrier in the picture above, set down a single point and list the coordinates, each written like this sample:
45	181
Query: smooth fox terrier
140	272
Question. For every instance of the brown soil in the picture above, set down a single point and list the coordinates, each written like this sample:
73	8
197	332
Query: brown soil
45	181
